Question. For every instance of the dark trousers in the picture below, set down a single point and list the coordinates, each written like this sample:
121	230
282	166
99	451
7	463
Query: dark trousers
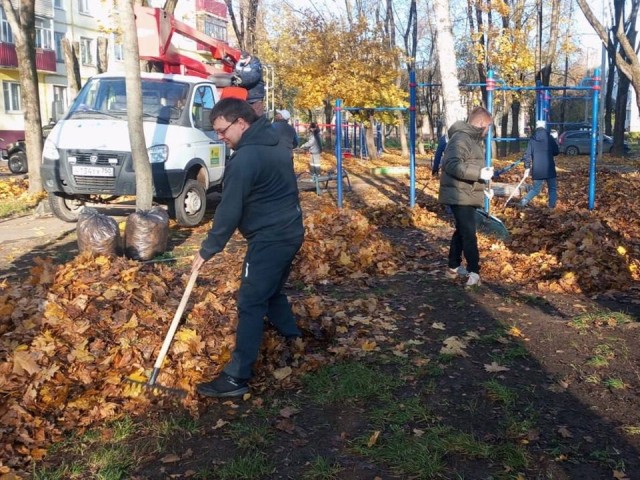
464	240
265	270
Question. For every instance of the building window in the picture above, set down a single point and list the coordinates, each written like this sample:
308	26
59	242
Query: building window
58	4
59	102
86	51
214	29
11	97
118	51
6	36
83	7
58	37
43	33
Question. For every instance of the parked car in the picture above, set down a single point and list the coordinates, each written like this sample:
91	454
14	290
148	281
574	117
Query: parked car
578	142
15	154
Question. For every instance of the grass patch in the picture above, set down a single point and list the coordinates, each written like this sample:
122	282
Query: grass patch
411	410
349	382
111	462
250	435
322	469
614	383
251	466
510	355
500	393
424	456
599	318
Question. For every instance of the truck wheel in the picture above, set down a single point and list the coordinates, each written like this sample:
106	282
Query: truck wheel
65	208
18	162
189	207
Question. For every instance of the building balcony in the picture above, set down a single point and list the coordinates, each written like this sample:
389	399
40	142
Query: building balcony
45	59
214	7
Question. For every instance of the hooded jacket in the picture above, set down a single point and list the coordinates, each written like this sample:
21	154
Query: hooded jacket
541	150
259	193
287	133
461	164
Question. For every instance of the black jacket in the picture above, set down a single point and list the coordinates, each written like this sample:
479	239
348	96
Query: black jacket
251	76
462	161
259	193
541	149
287	133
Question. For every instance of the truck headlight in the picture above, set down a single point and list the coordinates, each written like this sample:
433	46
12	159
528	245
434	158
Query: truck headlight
158	153
50	151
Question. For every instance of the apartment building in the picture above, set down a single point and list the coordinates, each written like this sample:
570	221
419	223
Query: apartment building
85	22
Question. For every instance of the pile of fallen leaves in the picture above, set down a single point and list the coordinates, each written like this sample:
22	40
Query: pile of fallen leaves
340	244
11	188
72	334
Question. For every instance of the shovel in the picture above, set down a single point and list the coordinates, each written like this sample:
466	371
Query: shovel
513	192
151	383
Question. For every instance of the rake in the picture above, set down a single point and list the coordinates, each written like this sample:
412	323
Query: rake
487	223
151	383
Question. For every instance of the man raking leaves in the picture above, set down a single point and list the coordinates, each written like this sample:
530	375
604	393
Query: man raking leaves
260	199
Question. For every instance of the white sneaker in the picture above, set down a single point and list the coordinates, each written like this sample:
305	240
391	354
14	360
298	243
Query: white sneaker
453	273
473	280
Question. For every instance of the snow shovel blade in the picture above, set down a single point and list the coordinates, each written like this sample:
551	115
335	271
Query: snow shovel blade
490	225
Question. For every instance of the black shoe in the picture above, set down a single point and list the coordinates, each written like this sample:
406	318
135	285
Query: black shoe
223	386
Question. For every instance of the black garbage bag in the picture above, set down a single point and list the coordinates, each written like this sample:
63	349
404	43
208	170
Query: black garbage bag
146	233
97	233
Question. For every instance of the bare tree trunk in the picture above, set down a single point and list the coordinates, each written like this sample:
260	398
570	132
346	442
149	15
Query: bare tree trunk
144	180
74	81
103	54
170	6
453	110
549	56
23	26
370	137
245	27
515	126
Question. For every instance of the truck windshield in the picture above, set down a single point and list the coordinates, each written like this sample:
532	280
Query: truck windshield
162	99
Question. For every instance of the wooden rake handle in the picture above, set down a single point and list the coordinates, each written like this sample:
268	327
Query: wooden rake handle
176	320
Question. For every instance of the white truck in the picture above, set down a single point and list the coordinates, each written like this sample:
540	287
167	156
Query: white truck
87	155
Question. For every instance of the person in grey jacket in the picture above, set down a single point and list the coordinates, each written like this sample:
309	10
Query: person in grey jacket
260	199
540	151
462	184
314	145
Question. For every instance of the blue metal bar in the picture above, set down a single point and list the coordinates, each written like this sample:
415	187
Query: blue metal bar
339	148
594	138
412	138
487	150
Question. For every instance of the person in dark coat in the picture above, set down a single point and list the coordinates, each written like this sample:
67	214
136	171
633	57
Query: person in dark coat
539	159
285	130
259	199
437	157
462	184
248	74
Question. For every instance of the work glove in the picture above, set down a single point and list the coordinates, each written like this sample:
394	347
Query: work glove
236	80
488	192
526	172
486	173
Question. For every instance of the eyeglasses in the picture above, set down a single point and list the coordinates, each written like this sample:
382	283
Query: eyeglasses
223	132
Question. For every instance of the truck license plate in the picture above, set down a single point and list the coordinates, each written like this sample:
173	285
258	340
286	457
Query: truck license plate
87	171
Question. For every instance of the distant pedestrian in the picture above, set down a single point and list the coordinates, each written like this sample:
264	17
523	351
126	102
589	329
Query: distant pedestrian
437	157
314	145
286	132
462	186
539	158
